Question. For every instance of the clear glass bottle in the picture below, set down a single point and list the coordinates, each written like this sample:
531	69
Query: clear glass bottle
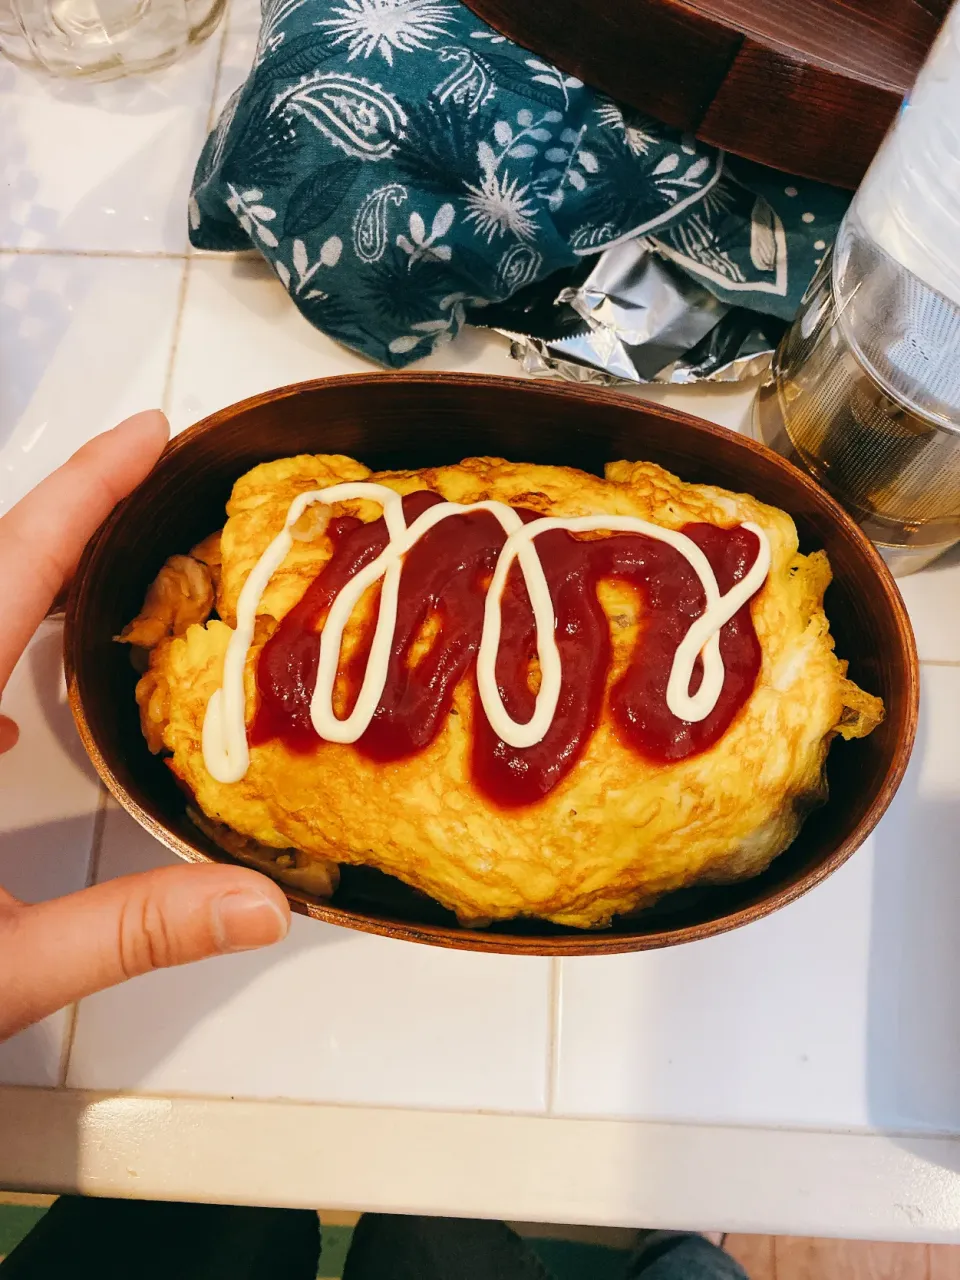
865	386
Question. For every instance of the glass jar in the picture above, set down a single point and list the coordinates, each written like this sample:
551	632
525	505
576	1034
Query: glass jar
103	39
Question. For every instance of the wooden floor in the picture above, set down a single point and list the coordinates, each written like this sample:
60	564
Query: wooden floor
794	1258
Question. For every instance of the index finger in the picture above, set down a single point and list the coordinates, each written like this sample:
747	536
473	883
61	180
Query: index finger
43	536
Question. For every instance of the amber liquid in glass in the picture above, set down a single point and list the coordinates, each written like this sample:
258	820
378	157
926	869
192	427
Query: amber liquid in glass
894	469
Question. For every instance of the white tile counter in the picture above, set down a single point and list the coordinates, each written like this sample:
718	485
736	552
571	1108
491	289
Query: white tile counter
802	1074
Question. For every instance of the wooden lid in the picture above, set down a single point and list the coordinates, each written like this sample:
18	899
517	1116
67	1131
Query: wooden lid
807	86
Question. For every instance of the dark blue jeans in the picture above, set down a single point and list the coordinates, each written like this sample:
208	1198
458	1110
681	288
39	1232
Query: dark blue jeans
395	1248
150	1240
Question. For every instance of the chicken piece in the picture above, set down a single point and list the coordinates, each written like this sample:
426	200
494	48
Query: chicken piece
287	866
208	552
180	595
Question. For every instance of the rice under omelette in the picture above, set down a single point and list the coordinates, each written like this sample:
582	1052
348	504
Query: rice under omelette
616	833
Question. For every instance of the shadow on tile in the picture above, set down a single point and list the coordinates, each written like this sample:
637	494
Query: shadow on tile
33	1058
162	1009
469	351
133	95
46	675
35	313
172	1006
84	342
949	560
140	203
914	998
127	849
28	858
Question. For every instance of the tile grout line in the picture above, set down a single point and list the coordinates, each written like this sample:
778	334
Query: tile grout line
66	1049
553	1032
218	71
99	826
175	338
188	255
164	255
93	869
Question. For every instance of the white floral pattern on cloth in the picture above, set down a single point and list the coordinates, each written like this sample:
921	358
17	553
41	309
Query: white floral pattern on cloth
381	27
400	165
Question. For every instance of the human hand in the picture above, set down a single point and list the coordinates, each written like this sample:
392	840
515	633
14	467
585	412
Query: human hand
54	953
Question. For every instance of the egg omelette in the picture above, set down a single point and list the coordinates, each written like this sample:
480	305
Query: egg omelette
616	833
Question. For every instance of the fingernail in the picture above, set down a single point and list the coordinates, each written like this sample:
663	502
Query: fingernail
9	733
246	918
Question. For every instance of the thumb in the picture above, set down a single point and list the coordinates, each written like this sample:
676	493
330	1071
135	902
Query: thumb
57	952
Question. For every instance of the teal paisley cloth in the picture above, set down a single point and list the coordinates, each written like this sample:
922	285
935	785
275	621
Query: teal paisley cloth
401	165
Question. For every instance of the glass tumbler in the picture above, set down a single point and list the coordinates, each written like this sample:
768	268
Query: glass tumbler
103	39
864	395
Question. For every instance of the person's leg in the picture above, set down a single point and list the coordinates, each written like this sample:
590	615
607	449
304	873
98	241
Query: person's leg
386	1247
151	1240
672	1255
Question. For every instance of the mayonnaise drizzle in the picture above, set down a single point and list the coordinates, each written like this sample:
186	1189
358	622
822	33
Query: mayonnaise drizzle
225	751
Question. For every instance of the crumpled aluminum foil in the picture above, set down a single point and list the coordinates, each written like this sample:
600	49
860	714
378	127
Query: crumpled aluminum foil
635	318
